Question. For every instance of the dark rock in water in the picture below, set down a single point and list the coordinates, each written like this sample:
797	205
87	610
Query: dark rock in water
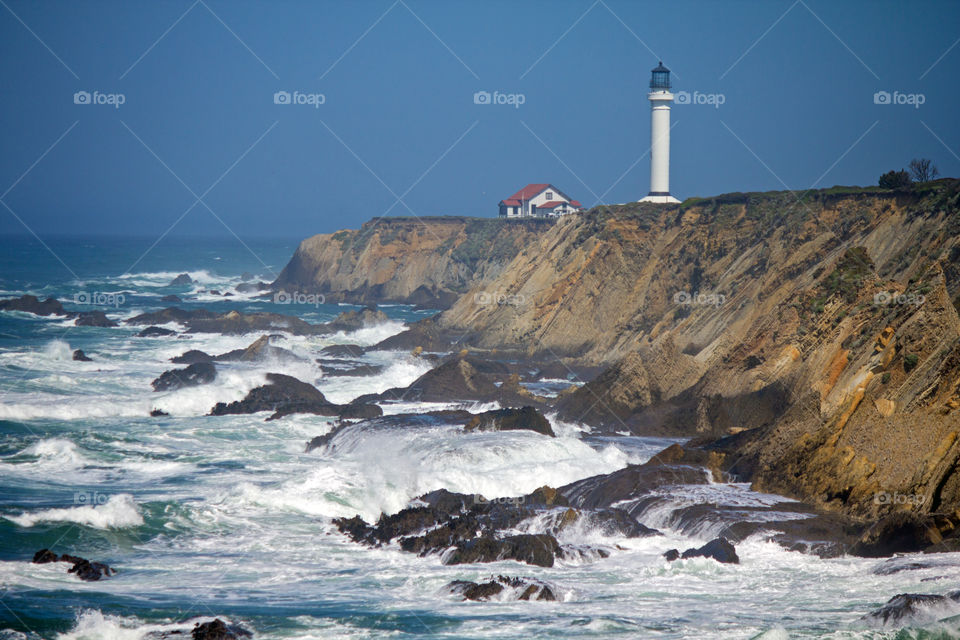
89	571
343	350
93	319
218	630
611	522
353	320
182	279
85	570
461	377
192	357
32	304
191	376
360	412
158	413
214	292
154	332
283	395
539	550
895	565
260	349
899	532
906	605
230	322
170	298
44	556
719	549
468	528
341	368
227	294
526	418
525	588
425	334
79	355
252	287
674	465
671	555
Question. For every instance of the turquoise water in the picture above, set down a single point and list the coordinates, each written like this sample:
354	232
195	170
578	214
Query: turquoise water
228	516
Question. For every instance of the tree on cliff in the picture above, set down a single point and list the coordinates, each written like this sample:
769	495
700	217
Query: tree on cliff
923	169
897	180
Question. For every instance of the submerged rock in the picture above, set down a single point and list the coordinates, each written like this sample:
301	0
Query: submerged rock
469	528
360	412
523	589
158	413
180	280
282	395
170	298
192	376
155	332
192	356
536	549
260	349
353	320
526	418
217	629
80	356
907	605
93	319
85	570
462	377
32	304
719	549
343	350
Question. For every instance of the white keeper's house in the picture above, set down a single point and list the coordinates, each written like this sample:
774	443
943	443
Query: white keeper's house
538	201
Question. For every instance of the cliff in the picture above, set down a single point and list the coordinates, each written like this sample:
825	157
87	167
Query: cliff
426	261
818	332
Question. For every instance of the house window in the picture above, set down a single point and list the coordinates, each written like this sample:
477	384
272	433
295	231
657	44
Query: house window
549	195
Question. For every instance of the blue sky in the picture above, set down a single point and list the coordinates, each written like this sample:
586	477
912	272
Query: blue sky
399	133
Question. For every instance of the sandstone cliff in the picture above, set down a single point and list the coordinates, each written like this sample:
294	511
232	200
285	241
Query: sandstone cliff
818	331
426	261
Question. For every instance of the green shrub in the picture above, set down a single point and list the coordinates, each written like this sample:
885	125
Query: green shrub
910	362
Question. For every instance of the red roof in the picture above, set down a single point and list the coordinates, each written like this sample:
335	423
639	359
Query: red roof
511	202
554	203
529	191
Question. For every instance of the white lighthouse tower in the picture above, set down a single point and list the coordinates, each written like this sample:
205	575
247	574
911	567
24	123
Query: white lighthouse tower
660	99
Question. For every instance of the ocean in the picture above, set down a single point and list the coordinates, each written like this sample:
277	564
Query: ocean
229	517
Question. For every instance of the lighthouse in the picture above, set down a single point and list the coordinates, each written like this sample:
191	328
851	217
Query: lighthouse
660	99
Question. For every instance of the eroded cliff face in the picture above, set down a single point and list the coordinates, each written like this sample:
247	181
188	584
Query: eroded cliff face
818	332
428	261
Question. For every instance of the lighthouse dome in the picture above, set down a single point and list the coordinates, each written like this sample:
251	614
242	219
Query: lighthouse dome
660	78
